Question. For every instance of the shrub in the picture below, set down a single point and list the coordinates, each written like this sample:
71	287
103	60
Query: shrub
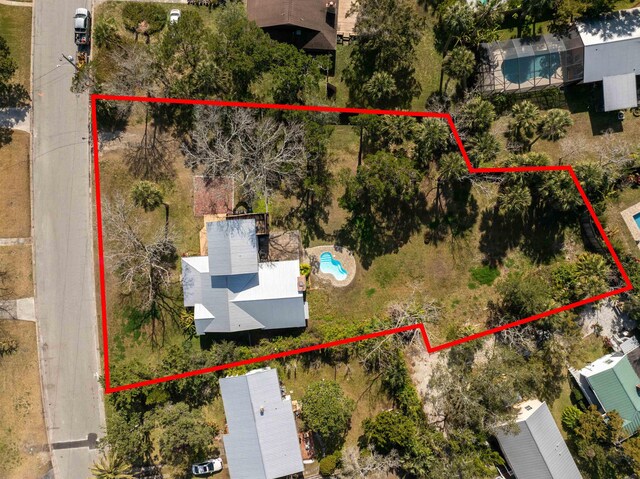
328	465
570	418
305	269
484	275
135	13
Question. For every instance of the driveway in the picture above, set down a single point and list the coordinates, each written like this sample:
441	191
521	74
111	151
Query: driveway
63	246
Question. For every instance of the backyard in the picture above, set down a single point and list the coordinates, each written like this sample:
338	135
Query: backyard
457	269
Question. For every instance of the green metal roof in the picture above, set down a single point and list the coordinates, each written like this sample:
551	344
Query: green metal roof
616	390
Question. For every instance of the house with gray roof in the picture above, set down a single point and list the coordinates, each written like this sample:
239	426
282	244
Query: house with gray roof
536	450
602	50
232	290
611	384
262	442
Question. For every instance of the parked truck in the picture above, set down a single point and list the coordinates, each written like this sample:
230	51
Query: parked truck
82	27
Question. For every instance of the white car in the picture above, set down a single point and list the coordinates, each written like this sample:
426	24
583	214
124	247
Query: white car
207	467
174	15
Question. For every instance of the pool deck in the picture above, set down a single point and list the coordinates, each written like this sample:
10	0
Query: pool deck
312	256
627	216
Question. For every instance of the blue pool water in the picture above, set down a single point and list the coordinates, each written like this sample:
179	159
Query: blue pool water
332	266
524	69
636	218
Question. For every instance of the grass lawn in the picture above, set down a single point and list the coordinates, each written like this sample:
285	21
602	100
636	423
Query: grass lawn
16	260
559	405
428	64
616	227
23	441
15	200
15	27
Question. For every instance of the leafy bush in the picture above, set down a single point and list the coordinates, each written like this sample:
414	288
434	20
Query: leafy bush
327	412
484	275
135	13
328	465
305	269
570	418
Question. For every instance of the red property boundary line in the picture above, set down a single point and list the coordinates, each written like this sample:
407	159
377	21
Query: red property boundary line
420	327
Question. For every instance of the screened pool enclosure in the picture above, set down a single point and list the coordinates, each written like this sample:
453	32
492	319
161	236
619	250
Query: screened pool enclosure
525	64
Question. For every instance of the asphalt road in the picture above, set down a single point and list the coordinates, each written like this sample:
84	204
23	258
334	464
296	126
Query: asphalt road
63	236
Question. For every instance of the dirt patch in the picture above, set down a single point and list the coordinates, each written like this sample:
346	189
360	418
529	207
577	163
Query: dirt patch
16	260
22	430
15	195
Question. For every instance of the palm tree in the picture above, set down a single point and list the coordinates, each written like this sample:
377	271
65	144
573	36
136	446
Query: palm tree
554	125
460	64
146	195
457	21
514	200
592	275
476	115
111	466
380	90
524	124
483	149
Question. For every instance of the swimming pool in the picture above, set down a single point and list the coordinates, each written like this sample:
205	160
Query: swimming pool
524	69
636	218
330	265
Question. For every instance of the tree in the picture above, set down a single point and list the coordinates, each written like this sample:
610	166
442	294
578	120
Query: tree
380	87
514	200
145	18
571	418
388	32
146	195
456	24
381	199
388	431
327	412
105	33
368	465
594	439
431	140
295	76
524	123
186	436
260	153
129	438
12	95
554	125
631	449
460	64
483	149
248	52
111	466
475	116
145	267
189	61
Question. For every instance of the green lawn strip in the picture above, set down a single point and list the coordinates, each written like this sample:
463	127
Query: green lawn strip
15	27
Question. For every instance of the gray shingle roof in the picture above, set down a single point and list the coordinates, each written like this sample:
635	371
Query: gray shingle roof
262	442
537	451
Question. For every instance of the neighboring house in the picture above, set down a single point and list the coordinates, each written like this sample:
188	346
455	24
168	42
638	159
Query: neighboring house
537	450
262	442
610	383
306	24
231	290
604	49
